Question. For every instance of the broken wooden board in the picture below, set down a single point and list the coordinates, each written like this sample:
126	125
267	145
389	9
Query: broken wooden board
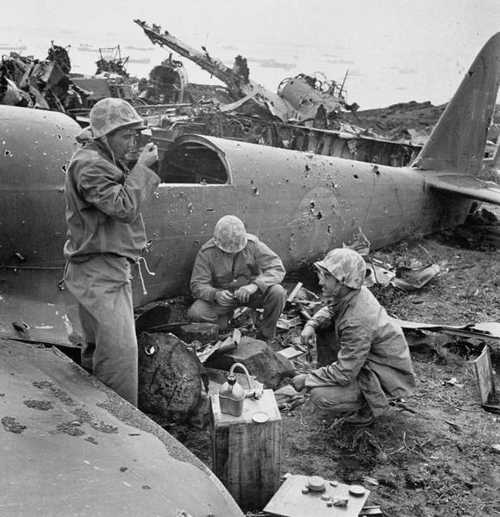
486	382
294	292
486	329
71	446
228	344
290	501
290	353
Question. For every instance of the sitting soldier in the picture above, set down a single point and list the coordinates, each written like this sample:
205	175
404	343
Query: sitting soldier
373	361
234	268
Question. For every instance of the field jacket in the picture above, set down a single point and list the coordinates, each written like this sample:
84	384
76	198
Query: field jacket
103	202
214	269
373	350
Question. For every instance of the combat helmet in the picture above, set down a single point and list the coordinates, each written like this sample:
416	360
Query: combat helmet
111	113
230	234
346	265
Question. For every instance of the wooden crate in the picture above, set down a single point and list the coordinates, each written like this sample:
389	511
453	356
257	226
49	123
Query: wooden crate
246	455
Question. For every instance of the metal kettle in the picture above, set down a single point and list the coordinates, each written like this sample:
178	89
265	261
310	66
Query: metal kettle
232	394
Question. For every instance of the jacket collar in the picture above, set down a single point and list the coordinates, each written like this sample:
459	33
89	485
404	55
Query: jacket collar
97	145
338	309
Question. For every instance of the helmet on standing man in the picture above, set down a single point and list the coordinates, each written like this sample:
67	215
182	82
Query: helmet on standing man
110	114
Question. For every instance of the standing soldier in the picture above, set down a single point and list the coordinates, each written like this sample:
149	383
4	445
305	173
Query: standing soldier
106	235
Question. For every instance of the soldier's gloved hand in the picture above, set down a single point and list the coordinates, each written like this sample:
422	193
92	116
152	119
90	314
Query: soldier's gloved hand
244	292
299	381
149	155
224	298
308	336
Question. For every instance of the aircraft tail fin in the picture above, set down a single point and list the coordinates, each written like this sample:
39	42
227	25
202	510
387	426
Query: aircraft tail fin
457	142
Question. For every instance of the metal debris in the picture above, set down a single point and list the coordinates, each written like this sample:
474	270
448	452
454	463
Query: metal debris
484	330
490	398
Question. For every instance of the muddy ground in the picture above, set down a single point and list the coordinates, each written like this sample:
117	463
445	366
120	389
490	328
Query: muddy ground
436	459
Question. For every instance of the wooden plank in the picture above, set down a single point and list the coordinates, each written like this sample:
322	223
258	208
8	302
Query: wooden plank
290	352
289	501
246	455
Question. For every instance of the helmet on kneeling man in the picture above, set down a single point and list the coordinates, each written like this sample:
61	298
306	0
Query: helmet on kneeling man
230	234
346	265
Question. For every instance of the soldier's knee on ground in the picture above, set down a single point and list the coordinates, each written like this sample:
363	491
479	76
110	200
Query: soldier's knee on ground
319	400
209	313
200	311
324	399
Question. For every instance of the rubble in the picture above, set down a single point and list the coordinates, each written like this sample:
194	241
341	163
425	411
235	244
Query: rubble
259	358
44	84
298	98
481	230
305	114
405	277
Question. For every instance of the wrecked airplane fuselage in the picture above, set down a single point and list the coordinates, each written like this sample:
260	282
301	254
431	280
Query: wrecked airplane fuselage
302	204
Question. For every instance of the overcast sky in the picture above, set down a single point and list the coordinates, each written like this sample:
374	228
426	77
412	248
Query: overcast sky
395	50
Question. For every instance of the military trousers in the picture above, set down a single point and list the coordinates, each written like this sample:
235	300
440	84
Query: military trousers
272	301
338	400
102	288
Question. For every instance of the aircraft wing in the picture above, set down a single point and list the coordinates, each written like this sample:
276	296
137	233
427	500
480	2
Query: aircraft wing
469	186
87	452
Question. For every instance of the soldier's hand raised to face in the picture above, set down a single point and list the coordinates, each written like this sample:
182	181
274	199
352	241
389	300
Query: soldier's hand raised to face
149	155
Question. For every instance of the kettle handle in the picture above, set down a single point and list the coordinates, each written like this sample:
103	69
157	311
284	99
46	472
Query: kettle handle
245	371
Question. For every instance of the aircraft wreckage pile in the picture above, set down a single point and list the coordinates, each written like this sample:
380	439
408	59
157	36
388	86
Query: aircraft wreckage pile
307	113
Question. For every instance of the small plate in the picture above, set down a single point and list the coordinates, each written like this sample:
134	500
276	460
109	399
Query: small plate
260	417
357	490
316	484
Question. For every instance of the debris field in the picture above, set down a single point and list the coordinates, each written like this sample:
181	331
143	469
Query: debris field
433	454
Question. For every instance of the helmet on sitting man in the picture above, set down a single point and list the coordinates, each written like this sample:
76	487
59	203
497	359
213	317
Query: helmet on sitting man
230	234
346	265
110	114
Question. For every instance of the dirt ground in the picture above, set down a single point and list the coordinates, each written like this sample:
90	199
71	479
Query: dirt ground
436	459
